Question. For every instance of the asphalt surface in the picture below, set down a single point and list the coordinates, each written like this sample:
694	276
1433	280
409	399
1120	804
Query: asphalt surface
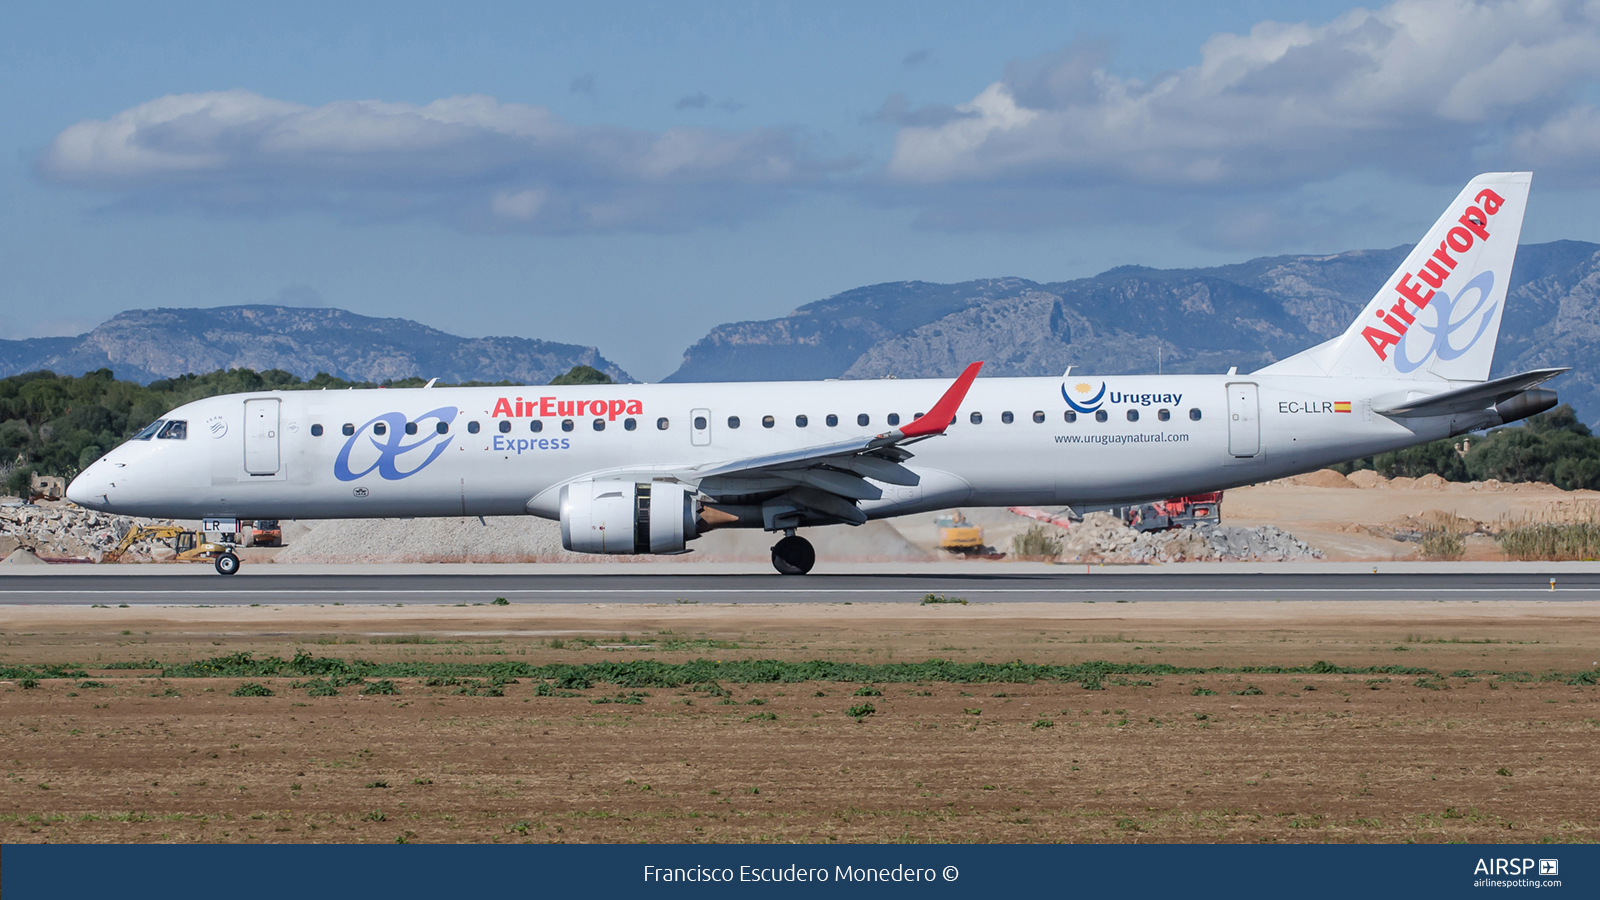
1066	586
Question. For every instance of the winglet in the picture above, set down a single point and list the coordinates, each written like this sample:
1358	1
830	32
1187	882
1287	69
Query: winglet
939	418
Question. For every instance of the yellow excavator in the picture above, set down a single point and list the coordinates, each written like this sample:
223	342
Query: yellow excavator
187	544
957	535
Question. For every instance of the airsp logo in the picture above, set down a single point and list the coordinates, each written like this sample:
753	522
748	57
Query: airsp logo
217	426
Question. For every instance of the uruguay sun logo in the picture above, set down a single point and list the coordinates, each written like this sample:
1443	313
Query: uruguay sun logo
1084	403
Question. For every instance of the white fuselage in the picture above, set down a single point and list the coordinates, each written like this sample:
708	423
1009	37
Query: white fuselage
284	455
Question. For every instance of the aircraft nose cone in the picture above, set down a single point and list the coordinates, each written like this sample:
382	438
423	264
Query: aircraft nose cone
88	489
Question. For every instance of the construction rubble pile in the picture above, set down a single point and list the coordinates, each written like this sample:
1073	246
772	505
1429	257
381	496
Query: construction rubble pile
62	530
1101	537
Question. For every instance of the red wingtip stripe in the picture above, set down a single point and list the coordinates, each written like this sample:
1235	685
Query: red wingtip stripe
938	418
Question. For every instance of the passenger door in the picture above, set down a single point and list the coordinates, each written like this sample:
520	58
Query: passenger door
261	455
1244	420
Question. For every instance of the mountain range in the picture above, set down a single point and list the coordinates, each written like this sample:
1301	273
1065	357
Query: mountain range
1135	320
1126	320
146	344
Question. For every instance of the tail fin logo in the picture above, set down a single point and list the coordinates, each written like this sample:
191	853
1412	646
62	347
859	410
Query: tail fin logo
1083	388
1474	226
1447	323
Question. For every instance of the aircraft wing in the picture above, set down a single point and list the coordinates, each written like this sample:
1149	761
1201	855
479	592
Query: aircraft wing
830	478
1470	398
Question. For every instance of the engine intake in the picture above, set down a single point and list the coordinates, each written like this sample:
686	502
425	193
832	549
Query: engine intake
626	517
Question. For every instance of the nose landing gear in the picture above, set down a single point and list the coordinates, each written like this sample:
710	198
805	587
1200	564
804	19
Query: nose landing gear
793	555
227	564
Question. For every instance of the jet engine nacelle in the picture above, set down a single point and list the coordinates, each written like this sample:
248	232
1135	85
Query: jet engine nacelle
1528	403
626	517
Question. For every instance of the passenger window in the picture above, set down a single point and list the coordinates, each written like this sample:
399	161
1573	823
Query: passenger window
918	415
1100	415
536	426
1006	418
1070	416
894	418
700	423
863	419
505	426
661	424
768	421
733	421
442	428
599	424
977	418
350	429
630	424
832	420
316	431
472	428
176	430
801	421
149	431
1164	414
1133	415
380	428
411	428
566	424
1038	417
1194	415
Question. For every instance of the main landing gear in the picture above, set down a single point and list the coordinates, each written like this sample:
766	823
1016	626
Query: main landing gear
227	564
793	555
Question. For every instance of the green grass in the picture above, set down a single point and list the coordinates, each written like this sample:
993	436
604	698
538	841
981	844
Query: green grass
708	675
251	689
860	711
941	598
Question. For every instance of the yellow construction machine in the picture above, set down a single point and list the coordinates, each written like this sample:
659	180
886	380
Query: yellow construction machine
957	535
187	544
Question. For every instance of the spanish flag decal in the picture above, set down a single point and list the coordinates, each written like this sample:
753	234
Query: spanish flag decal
1341	406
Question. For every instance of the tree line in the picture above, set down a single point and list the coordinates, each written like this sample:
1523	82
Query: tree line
58	424
1551	447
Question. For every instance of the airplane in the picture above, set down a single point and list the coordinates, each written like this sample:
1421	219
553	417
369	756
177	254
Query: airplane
647	469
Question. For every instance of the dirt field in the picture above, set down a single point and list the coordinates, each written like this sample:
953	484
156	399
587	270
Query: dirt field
125	755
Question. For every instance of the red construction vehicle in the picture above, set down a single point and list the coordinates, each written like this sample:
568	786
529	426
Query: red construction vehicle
1179	512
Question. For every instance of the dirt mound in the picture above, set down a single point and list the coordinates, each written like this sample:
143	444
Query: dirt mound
468	539
1366	478
1323	478
22	557
530	539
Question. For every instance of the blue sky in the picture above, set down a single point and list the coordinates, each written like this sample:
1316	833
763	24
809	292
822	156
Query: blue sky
630	174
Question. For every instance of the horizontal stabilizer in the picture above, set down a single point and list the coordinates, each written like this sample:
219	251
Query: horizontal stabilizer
1470	398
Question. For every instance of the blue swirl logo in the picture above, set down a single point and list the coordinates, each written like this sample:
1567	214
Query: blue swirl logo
1089	405
1447	322
392	445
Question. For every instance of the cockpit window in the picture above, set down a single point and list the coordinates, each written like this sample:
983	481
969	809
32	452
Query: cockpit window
176	430
149	430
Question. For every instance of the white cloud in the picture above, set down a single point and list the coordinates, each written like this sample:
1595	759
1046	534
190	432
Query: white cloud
1423	88
471	159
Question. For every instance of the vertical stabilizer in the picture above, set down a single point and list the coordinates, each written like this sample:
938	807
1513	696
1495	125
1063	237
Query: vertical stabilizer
1438	316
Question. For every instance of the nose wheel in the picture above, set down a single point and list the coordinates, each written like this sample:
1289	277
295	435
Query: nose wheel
227	564
793	556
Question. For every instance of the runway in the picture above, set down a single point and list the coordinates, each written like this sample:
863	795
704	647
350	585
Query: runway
1065	586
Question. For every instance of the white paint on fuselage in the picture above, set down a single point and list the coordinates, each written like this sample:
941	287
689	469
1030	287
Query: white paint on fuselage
1084	463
